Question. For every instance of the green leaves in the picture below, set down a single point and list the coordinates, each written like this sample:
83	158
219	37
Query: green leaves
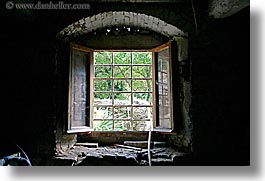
122	80
142	58
103	58
122	58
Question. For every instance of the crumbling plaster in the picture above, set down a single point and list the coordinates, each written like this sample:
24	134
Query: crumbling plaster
110	19
225	8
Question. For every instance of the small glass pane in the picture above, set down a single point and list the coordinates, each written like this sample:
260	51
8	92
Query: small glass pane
122	71
163	60
163	100
105	125
163	90
164	112
139	125
142	98
102	112
142	72
102	99
103	57
165	65
121	125
103	71
165	123
142	57
122	85
102	85
140	113
122	58
131	125
162	65
163	77
142	85
122	98
159	65
122	112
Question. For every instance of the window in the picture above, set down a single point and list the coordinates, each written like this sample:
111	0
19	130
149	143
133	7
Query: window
120	90
163	90
122	94
79	92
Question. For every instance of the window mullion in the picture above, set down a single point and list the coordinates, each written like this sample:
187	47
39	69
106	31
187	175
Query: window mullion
112	92
162	94
132	109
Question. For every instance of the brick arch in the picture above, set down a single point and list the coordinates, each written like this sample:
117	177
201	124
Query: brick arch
120	18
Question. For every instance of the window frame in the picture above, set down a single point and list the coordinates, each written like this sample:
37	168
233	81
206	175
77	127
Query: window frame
155	51
88	127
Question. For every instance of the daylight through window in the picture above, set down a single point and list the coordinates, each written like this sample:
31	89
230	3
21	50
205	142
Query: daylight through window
123	91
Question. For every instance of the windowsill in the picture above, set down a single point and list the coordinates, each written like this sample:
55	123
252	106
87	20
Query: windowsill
81	129
115	133
87	130
110	138
162	130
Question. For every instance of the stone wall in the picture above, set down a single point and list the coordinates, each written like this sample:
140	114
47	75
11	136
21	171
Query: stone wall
182	122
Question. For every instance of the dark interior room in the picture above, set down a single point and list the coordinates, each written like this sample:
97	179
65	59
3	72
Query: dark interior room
125	83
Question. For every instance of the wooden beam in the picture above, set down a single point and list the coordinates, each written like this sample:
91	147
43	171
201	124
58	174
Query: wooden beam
88	145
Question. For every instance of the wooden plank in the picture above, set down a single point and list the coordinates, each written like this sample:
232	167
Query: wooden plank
161	47
159	144
88	145
128	147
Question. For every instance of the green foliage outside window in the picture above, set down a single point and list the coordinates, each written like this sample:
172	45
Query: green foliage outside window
120	70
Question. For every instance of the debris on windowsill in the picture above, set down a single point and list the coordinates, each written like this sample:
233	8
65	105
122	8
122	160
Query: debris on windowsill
106	149
119	155
159	144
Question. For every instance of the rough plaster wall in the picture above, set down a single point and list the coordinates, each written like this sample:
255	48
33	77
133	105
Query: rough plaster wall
225	8
183	139
183	47
117	19
66	143
178	15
